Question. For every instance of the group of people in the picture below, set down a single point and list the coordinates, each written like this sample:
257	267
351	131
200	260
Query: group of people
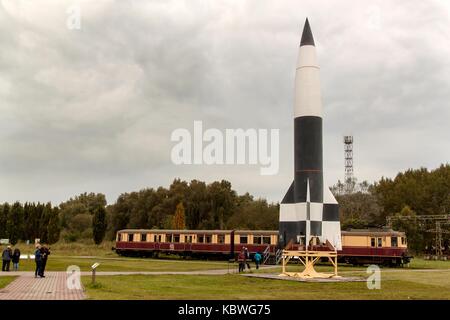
40	257
9	255
244	258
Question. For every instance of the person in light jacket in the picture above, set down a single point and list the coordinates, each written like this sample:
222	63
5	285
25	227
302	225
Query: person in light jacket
257	258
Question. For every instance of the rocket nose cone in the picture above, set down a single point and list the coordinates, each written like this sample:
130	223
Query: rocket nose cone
307	37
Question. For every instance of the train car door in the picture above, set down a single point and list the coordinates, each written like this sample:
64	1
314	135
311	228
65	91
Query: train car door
157	241
373	246
188	243
232	245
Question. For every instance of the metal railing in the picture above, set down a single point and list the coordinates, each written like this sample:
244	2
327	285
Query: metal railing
278	256
266	254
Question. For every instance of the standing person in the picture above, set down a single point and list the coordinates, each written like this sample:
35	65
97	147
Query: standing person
247	257
241	260
6	256
258	258
38	260
16	259
45	251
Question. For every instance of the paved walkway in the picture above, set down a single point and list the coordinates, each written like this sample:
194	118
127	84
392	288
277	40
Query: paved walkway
52	287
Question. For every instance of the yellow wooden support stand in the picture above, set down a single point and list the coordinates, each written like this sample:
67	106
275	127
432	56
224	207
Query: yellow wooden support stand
309	259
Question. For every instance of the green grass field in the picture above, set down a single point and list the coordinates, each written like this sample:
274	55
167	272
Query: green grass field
72	249
4	281
405	285
413	282
60	263
64	255
84	255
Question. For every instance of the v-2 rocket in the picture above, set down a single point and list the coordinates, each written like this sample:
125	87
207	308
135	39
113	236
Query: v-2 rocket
308	209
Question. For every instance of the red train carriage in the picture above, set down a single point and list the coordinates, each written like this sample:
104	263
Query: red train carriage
383	246
358	246
193	242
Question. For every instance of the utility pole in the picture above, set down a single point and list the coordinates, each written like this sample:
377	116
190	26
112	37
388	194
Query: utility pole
348	157
438	220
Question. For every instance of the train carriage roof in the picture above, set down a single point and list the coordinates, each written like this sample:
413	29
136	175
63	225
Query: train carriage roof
162	231
373	232
351	232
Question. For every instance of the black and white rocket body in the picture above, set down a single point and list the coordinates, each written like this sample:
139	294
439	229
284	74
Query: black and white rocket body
309	208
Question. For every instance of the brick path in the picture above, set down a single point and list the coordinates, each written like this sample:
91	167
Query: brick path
52	287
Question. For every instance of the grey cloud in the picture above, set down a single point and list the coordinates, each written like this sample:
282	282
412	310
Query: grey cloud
93	109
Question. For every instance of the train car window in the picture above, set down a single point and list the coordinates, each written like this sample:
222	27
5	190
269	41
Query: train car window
158	238
403	240
201	239
221	238
188	239
168	238
207	239
243	239
380	242
130	237
266	240
143	237
176	238
394	242
257	239
372	242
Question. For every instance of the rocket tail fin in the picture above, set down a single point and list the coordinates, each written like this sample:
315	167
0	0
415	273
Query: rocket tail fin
289	196
331	226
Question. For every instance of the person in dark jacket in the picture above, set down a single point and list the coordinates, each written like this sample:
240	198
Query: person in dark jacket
6	256
45	251
247	257
15	259
38	260
241	261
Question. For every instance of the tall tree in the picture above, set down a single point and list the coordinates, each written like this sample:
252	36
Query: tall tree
44	222
14	224
411	228
99	225
53	228
4	214
179	222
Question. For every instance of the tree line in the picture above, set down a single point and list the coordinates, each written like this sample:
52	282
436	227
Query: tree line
29	221
190	205
79	218
413	192
199	205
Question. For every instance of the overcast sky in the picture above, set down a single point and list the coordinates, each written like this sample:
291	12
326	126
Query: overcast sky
92	110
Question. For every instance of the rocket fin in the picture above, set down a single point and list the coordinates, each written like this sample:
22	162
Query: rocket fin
331	226
289	197
328	196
